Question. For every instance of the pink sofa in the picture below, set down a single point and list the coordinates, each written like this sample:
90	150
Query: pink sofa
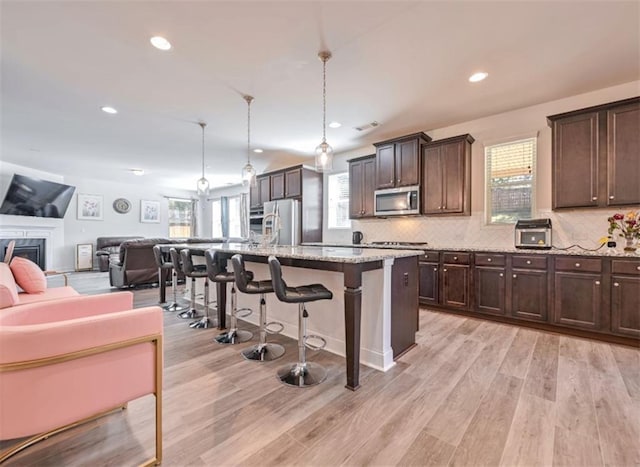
72	359
9	296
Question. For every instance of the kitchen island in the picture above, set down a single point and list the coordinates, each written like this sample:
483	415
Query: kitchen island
383	283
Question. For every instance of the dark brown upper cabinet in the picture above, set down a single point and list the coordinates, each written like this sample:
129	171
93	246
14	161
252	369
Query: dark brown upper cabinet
595	157
398	161
261	192
293	183
446	176
362	184
277	186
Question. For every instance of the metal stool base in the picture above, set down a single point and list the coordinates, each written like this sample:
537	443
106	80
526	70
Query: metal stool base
302	376
191	314
173	306
203	323
234	337
264	352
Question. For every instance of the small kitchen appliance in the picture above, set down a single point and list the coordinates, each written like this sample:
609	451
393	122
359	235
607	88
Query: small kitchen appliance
533	233
356	237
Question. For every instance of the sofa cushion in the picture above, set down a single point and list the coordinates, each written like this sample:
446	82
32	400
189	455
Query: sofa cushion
28	275
8	287
53	293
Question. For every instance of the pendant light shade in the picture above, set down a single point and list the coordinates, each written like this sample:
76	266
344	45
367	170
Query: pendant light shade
248	172
202	186
324	152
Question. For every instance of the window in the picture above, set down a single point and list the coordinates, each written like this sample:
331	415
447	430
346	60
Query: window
510	180
180	218
235	217
216	218
338	201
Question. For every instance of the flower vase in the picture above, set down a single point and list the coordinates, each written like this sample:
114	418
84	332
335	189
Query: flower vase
630	246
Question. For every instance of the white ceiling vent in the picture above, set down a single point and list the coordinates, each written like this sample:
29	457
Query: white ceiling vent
368	126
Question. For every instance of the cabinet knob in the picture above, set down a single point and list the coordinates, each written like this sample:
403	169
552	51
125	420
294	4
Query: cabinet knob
612	197
391	181
528	261
399	180
597	282
455	258
488	260
435	269
515	275
615	284
595	198
501	274
577	265
638	268
445	269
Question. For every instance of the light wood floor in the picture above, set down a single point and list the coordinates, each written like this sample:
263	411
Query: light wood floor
471	393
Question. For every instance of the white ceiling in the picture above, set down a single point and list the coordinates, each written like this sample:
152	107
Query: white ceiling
404	64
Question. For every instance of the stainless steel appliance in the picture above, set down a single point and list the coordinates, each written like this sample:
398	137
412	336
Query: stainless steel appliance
286	220
401	201
533	233
255	221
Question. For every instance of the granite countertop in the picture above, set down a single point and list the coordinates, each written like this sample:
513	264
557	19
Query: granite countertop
318	252
604	251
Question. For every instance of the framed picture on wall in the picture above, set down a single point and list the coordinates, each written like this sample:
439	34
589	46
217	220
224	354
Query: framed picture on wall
90	207
149	211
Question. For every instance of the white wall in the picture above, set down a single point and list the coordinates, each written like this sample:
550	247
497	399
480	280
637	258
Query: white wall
570	226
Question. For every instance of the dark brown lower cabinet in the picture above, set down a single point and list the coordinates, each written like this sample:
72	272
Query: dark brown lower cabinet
578	300
490	290
429	284
625	305
529	297
456	281
404	304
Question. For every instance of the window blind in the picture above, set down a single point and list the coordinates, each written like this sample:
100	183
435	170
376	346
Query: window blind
338	201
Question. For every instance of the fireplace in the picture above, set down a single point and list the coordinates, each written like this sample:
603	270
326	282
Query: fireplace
31	248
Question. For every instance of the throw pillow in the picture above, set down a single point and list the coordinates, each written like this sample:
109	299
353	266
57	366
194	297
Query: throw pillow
28	275
8	288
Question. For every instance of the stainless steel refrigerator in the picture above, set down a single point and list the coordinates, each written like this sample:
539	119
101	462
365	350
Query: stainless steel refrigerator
288	210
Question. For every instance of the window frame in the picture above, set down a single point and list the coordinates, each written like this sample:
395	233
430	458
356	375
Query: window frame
488	213
346	200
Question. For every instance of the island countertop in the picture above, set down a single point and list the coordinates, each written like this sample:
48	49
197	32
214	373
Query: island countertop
330	253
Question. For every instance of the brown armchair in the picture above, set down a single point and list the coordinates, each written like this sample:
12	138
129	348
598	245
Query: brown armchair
108	248
136	264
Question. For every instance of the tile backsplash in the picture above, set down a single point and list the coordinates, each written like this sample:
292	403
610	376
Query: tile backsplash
580	227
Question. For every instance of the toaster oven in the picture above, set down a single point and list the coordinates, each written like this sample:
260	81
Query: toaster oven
533	233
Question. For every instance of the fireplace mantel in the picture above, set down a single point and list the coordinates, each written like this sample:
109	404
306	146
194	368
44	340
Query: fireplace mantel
51	234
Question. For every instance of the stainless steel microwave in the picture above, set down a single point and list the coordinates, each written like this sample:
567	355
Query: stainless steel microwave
401	201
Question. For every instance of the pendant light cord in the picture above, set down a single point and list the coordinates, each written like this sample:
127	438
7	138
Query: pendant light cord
202	125
324	100
249	100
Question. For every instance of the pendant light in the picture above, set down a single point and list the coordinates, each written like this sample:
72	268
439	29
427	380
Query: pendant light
203	183
324	152
248	172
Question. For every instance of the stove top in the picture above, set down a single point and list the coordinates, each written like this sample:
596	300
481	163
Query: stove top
399	243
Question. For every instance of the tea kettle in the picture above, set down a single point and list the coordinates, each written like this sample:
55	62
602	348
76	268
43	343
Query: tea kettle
356	237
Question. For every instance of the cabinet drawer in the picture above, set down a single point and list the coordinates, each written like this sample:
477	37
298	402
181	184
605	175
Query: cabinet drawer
487	259
456	258
625	267
579	264
430	257
530	262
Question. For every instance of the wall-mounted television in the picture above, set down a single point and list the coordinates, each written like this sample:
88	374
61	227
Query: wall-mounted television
28	196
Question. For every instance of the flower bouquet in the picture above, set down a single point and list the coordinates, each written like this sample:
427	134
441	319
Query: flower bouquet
629	226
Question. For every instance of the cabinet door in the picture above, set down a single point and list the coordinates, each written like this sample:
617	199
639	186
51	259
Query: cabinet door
432	180
455	286
385	166
623	155
254	197
529	294
428	287
404	304
356	209
575	161
407	163
490	290
293	183
368	187
453	170
277	186
578	300
625	297
264	188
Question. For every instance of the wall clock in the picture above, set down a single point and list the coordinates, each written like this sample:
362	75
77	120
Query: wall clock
122	205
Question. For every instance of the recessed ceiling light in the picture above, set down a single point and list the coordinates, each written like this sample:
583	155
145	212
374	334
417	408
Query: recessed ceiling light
109	110
258	150
138	172
474	78
335	125
160	42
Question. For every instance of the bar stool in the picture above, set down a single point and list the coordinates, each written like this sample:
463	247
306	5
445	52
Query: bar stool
177	266
262	351
195	271
219	274
301	374
166	265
